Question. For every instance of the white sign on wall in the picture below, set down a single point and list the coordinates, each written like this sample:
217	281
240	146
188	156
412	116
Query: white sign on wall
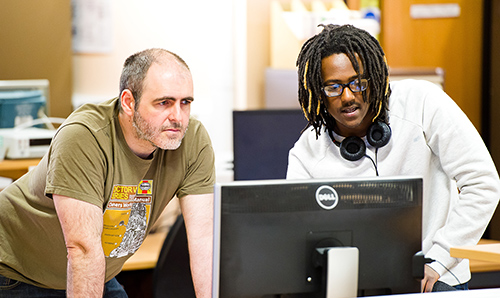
92	26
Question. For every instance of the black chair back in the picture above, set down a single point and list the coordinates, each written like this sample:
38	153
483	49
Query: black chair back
172	275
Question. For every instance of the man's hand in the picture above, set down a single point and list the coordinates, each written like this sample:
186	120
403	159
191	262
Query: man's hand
430	278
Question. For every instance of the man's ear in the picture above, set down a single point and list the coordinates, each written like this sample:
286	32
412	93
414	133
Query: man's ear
127	102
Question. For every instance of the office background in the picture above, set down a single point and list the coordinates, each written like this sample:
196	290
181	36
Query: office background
228	47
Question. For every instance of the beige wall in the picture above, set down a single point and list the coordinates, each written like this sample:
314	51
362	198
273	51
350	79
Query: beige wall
35	43
258	18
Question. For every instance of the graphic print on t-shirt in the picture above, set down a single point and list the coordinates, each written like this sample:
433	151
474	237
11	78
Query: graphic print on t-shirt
126	218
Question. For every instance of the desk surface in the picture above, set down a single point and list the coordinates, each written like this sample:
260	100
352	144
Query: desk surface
15	168
484	257
486	250
147	255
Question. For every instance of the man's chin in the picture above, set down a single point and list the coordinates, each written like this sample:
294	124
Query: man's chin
171	145
171	142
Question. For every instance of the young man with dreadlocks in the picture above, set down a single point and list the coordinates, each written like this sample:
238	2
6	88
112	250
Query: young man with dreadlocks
361	125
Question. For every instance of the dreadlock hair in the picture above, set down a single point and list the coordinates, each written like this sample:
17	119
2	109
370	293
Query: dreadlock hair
356	44
137	65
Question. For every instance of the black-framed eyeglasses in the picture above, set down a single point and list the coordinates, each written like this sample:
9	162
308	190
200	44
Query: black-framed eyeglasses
356	85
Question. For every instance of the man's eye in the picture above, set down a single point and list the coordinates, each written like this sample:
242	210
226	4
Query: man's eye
355	84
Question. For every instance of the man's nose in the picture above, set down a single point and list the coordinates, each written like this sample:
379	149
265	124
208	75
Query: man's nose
175	112
347	94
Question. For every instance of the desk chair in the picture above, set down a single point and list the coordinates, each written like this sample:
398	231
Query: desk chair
172	275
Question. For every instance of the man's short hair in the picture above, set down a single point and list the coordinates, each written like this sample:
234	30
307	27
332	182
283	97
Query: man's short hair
136	67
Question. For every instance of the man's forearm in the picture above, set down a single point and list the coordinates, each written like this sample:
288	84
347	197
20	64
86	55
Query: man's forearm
86	271
201	266
81	223
198	216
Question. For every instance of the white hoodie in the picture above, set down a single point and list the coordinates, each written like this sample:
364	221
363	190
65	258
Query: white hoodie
431	138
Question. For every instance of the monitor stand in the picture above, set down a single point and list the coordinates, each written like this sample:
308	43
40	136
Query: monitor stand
341	271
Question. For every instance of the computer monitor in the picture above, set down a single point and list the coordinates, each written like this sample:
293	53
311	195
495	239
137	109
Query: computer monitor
266	233
22	101
261	141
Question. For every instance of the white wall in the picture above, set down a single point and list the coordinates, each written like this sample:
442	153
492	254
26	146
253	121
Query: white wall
202	32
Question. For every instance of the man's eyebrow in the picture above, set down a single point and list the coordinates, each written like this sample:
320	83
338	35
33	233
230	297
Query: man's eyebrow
160	99
350	79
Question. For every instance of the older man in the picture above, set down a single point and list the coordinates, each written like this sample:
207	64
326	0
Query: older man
68	226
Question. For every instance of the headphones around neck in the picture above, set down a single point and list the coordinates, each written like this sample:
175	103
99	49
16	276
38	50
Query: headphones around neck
353	148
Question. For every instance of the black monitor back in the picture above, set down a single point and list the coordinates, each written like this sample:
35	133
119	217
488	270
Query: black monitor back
262	139
266	233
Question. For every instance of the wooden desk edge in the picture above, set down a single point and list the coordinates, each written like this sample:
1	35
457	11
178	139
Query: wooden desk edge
18	164
15	168
479	262
482	252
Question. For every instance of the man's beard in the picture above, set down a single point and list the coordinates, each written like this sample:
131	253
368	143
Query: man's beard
146	132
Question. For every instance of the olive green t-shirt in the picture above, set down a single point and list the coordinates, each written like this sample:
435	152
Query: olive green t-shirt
89	160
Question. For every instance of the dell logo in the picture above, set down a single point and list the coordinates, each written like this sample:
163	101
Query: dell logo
327	197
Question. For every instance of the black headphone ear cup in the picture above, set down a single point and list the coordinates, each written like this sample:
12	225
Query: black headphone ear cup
352	148
379	134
